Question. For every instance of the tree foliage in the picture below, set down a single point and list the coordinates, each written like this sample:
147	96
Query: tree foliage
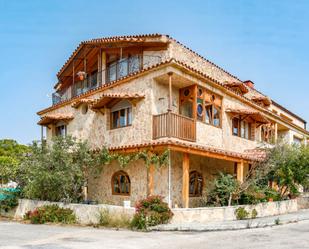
288	166
11	154
58	171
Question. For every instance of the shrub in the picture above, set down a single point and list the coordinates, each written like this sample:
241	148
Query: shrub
109	220
151	211
254	213
8	199
241	213
223	189
51	213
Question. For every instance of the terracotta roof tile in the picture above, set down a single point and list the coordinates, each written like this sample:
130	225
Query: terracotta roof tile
166	142
260	154
79	102
50	118
128	38
106	97
266	100
243	88
257	116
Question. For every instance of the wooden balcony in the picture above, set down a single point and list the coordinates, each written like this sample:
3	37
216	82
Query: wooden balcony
174	125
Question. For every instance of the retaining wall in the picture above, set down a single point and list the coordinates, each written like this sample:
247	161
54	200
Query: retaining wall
85	214
212	214
90	214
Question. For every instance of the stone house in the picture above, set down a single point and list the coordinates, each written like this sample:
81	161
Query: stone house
150	92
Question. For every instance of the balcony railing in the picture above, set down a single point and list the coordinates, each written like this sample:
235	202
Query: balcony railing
174	125
114	71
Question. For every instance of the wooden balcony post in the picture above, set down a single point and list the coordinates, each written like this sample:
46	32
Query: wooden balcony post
276	133
185	180
151	171
170	74
240	171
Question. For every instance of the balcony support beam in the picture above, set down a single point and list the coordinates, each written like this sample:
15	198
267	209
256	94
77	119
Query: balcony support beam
170	74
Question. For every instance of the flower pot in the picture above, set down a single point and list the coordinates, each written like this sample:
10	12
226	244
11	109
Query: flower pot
270	199
81	75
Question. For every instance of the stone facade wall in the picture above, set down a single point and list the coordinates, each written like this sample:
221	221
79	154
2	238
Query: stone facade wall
94	126
183	54
100	187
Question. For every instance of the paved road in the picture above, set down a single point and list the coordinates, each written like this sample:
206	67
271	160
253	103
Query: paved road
15	235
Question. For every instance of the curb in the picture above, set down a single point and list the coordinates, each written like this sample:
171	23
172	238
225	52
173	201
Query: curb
237	224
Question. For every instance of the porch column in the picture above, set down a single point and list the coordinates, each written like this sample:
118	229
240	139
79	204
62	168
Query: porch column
276	132
170	74
151	171
240	171
103	67
185	180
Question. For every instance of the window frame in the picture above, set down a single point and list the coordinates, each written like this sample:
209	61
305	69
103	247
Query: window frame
197	175
118	174
128	111
57	127
211	119
240	123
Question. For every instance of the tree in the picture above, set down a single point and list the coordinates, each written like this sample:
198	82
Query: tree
288	167
57	172
11	154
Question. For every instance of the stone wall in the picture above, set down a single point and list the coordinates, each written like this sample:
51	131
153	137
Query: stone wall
85	214
90	214
205	215
100	187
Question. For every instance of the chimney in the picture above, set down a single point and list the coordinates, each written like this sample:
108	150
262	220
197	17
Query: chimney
249	83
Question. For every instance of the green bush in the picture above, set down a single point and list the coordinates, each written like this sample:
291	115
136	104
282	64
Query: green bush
241	213
8	199
222	190
51	213
254	213
151	211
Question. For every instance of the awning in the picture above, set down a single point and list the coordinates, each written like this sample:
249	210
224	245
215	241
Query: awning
107	98
53	118
249	114
265	100
237	85
79	102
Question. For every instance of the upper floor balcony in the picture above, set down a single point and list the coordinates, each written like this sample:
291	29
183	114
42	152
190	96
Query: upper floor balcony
116	70
173	125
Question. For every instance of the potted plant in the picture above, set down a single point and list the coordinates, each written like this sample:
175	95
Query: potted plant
81	75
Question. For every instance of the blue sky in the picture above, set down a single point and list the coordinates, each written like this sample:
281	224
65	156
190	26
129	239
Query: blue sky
265	41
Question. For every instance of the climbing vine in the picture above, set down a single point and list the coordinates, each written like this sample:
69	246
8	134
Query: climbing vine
158	159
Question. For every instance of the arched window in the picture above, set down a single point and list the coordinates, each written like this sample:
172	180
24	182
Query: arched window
196	184
121	184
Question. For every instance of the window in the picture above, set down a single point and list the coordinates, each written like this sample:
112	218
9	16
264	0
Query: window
213	115
61	130
186	109
121	184
112	72
297	140
241	128
84	109
196	184
121	114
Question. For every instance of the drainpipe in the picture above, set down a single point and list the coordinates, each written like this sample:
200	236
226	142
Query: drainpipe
169	179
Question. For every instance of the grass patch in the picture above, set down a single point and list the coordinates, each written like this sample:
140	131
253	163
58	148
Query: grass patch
108	219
